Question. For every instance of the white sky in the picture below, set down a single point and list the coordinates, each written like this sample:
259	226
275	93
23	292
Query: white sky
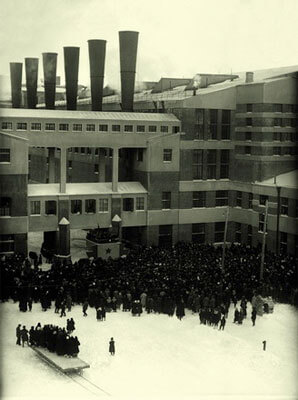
177	38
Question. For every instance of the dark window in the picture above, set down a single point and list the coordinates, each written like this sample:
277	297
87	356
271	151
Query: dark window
165	235
277	107
128	128
96	168
164	129
128	204
140	128
224	164
198	199
103	128
211	164
283	242
248	121
247	150
213	124
250	198
76	206
152	128
22	126
167	155
63	127
197	164
103	205
237	232
140	155
70	164
199	134
116	128
284	205
6	243
226	124
277	122
248	107
90	206
90	127
239	199
166	200
247	135
77	127
175	129
76	149
219	229
35	126
140	203
198	233
5	206
4	155
276	151
277	136
50	207
221	198
6	125
50	126
249	235
261	222
262	199
82	150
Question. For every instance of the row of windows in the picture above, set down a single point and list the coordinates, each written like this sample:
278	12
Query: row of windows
36	126
210	126
276	136
278	108
197	164
275	151
285	122
4	155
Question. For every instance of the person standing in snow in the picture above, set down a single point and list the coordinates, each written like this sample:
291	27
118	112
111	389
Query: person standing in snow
18	334
112	347
222	323
24	336
85	306
253	316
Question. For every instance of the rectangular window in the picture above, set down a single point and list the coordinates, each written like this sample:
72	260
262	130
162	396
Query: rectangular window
76	149
239	199
63	127
284	205
128	128
6	243
219	229
248	107
166	200
90	127
224	164
283	242
165	235
77	127
6	126
249	235
250	198
76	206
175	129
263	199
164	129
5	206
197	164
237	232
103	128
198	199
50	207
276	151
116	128
103	205
69	164
221	198
277	136
248	136
35	207
4	155
140	204
96	168
140	128
277	122
198	233
212	127
50	126
35	126
22	126
152	128
140	155
167	155
82	150
261	222
128	204
277	108
226	124
199	134
90	206
247	150
211	164
248	121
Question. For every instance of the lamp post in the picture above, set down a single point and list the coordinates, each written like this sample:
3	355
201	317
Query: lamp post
264	242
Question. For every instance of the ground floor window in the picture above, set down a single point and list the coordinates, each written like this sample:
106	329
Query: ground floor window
103	205
35	207
5	206
283	242
238	232
198	233
76	206
6	243
165	235
90	206
219	229
51	207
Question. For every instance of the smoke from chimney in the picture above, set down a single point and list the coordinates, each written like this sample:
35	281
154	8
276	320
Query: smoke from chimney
49	70
97	55
16	84
71	66
128	41
31	67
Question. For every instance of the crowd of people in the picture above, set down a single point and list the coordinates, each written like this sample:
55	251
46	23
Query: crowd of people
153	279
55	339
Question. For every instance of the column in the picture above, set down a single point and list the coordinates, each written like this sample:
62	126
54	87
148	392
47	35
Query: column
64	238
63	170
115	169
102	166
51	154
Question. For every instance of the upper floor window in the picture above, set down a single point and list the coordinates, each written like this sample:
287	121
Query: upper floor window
164	129
213	124
103	128
166	200
140	204
284	205
22	126
76	206
35	207
211	164
140	128
248	121
128	128
152	128
277	108
167	155
5	206
77	127
226	124
248	136
198	199
90	127
221	198
277	121
197	164
90	206
224	164
63	127
276	151
248	107
50	126
4	155
50	207
247	150
175	129
128	204
116	128
35	126
239	199
6	125
262	199
103	205
250	199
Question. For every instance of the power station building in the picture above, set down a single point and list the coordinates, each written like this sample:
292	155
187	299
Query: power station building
168	161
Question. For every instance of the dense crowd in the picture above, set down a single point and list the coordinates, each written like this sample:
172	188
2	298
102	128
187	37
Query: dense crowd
187	275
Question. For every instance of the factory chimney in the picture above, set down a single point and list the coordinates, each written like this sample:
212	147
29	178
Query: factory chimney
97	55
31	67
49	70
71	66
16	84
128	41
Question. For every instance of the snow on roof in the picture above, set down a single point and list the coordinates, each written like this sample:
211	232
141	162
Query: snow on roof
74	189
288	179
97	115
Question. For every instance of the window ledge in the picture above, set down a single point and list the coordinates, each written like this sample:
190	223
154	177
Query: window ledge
5	216
35	215
5	162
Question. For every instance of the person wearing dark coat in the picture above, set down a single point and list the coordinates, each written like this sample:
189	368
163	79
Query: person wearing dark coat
222	323
32	336
236	316
63	308
18	334
85	307
30	303
99	314
253	316
112	347
24	336
180	313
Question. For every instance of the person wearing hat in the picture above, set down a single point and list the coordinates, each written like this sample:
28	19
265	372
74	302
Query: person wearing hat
112	347
18	334
24	336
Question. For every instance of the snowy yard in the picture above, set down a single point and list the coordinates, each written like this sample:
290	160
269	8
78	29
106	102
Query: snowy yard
158	357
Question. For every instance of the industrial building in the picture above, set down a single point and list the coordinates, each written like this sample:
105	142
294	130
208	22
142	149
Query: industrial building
169	161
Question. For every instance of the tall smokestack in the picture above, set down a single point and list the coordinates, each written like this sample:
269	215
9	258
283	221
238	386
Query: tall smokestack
71	66
16	84
97	55
49	70
31	67
128	41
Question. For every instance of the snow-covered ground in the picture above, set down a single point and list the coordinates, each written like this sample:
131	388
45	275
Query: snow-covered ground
158	357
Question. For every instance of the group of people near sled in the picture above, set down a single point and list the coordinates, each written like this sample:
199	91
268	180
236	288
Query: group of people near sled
55	339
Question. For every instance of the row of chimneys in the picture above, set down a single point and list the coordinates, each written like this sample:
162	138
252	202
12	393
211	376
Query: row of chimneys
128	41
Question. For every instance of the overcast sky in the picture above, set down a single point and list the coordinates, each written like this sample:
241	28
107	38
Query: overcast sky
178	38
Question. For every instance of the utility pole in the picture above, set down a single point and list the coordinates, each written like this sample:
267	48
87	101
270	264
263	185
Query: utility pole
225	239
278	188
264	242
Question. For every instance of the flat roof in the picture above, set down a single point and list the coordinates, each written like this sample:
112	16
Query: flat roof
288	179
74	189
96	115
